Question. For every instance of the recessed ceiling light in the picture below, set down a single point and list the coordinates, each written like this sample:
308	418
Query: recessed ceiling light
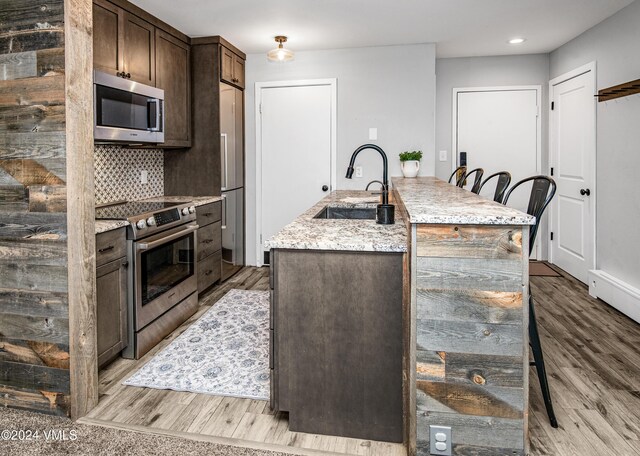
517	40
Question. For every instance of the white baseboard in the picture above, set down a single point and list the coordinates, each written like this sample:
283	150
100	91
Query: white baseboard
615	292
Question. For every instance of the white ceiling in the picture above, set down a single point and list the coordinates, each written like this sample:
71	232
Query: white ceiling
459	27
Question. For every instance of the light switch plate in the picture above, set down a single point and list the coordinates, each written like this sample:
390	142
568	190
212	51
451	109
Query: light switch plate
144	177
373	134
433	449
443	155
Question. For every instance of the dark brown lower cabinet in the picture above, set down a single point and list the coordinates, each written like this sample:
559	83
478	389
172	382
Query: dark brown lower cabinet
336	342
209	244
111	285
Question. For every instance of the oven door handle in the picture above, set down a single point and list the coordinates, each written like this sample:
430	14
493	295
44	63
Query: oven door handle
164	240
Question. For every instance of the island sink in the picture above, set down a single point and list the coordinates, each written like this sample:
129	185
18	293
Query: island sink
351	213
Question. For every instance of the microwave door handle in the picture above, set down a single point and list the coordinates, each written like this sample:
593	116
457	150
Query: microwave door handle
225	158
158	117
167	239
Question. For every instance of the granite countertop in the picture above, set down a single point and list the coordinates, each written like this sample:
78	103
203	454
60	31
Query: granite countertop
305	232
431	200
197	200
103	226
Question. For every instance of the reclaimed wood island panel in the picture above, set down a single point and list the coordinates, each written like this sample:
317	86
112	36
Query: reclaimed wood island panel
468	290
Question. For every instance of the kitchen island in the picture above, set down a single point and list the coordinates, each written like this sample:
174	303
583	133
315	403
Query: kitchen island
464	285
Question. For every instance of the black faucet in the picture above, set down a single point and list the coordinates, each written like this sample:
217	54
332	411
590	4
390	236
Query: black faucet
385	169
384	211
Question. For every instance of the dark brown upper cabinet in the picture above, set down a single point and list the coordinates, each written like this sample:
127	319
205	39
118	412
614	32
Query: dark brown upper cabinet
123	43
107	37
231	67
139	50
173	75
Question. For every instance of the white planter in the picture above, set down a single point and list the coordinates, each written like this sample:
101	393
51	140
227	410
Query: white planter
410	168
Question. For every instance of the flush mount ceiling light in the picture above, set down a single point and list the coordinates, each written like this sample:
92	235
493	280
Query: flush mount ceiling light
280	54
517	40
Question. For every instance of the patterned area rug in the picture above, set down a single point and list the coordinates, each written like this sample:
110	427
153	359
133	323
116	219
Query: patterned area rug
224	353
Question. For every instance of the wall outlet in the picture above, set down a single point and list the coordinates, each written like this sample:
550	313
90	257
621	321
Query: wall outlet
373	134
443	155
144	177
358	171
440	440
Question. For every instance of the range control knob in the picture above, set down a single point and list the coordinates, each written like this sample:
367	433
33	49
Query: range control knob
192	209
185	211
141	224
151	221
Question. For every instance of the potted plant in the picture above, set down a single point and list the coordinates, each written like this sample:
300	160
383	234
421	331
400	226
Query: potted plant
410	162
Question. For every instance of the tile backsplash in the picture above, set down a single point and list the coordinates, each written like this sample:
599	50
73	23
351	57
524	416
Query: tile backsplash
118	173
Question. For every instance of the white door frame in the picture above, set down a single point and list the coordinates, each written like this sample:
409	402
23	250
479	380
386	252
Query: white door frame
454	129
333	84
589	67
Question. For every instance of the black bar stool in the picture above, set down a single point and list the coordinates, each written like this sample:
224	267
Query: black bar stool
541	194
460	172
504	179
475	188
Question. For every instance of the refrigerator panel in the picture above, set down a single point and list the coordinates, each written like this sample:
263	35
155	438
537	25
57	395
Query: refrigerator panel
231	137
239	140
232	232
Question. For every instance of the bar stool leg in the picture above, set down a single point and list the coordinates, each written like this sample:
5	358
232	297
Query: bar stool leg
534	341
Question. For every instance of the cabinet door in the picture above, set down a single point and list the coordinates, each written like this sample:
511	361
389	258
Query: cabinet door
111	288
107	37
139	49
226	64
173	75
238	71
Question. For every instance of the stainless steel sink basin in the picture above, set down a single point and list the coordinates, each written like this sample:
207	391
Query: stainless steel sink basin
360	213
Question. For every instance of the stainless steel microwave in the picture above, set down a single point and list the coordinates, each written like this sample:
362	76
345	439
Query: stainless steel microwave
126	111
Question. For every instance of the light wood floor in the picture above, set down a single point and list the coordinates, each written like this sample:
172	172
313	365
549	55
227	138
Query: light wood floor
593	362
592	354
228	418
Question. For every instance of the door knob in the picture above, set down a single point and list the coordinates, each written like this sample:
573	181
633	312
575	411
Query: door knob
585	192
325	188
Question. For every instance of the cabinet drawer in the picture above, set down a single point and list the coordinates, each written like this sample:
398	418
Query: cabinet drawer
110	246
209	240
209	213
209	271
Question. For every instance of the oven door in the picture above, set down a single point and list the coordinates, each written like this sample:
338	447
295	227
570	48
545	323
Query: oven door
165	272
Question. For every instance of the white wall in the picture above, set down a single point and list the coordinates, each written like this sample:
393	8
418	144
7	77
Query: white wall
391	88
484	72
613	45
515	70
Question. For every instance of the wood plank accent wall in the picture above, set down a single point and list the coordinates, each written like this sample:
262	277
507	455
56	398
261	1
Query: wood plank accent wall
34	304
81	206
470	291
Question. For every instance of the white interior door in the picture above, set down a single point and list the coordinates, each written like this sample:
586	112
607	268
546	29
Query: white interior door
499	129
296	146
572	140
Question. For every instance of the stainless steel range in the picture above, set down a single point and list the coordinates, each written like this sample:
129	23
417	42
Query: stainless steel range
162	282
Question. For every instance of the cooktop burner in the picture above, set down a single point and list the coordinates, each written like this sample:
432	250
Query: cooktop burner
125	211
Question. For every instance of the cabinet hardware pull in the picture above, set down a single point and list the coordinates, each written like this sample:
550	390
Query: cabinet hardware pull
208	272
125	264
207	214
207	241
106	249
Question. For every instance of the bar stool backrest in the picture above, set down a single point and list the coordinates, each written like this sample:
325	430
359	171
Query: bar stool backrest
504	179
459	172
542	193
